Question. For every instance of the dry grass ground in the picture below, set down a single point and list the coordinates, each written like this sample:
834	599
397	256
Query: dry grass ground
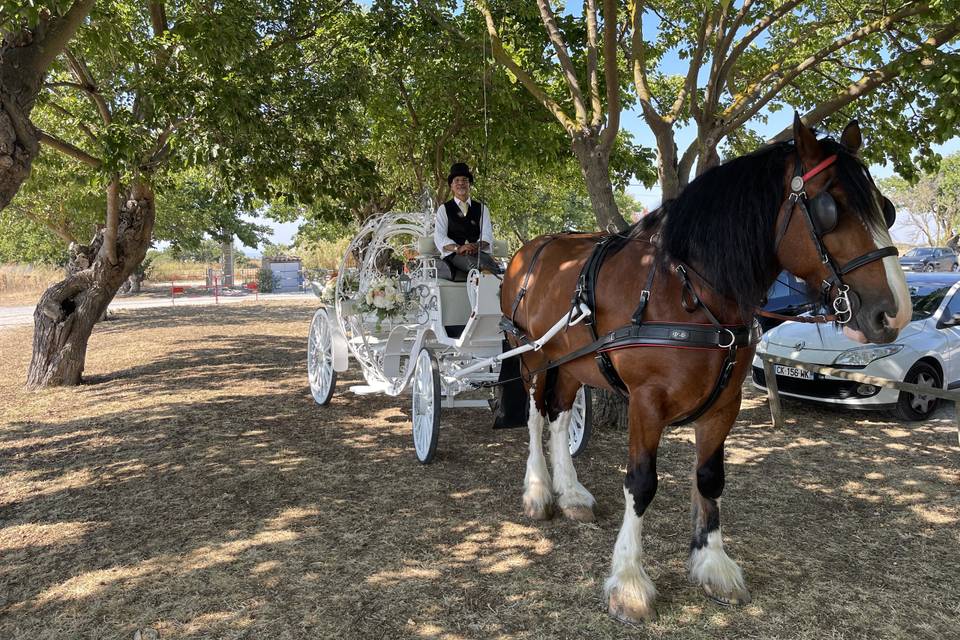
194	488
23	283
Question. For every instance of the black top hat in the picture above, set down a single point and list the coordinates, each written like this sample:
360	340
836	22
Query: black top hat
459	169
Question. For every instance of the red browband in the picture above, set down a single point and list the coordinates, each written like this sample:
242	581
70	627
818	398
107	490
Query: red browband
820	167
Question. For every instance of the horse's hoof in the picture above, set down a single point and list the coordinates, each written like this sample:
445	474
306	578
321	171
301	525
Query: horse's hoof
537	510
579	513
736	598
630	610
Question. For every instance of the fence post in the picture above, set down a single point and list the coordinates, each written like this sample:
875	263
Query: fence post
956	418
773	393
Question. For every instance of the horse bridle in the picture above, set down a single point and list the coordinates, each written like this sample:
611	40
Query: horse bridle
821	217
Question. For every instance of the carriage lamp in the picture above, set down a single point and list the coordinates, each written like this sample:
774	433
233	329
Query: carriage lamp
862	356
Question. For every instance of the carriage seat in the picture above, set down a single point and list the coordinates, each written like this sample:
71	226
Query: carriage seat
428	249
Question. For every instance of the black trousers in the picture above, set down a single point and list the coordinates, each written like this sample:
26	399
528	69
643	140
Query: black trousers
465	263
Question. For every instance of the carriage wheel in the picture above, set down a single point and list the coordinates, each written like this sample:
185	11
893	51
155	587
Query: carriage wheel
320	372
426	405
581	422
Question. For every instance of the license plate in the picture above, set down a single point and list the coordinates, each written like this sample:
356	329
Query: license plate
793	372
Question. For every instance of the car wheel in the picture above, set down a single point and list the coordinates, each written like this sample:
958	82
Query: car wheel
910	406
928	267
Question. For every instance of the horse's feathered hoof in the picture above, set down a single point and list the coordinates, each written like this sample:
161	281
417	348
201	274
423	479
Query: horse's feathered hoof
737	598
579	513
629	610
537	509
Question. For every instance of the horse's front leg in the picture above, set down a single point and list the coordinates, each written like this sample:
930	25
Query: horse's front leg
537	489
710	566
576	502
629	590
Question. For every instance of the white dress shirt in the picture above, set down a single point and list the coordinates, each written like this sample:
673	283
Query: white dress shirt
440	237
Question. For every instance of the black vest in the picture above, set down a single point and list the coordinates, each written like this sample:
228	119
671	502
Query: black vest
467	228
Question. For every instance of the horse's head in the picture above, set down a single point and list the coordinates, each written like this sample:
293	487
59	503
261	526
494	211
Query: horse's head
834	233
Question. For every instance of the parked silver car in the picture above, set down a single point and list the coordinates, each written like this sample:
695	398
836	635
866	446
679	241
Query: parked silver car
929	259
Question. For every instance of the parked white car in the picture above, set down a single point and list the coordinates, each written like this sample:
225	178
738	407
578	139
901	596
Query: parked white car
927	352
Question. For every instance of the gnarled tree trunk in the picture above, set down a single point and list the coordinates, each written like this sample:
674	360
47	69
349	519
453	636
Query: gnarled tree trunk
595	165
68	310
19	87
25	56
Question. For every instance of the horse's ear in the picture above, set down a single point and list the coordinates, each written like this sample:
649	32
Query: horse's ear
804	140
851	138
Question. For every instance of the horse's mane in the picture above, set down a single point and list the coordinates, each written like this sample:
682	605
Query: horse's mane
723	222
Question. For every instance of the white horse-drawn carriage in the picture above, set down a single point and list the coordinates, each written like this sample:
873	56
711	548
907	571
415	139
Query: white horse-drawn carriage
407	327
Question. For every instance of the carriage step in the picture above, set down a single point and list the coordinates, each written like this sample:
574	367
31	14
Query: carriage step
367	389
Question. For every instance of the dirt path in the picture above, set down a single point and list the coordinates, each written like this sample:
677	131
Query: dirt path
193	487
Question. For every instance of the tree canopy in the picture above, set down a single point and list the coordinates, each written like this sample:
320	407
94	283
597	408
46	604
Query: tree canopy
931	204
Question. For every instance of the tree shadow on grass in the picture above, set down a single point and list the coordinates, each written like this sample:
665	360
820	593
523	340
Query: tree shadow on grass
206	494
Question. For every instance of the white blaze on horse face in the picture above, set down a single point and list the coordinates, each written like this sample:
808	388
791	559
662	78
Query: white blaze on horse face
896	281
627	577
537	490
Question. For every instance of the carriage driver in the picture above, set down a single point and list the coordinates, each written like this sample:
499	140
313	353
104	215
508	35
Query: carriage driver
463	232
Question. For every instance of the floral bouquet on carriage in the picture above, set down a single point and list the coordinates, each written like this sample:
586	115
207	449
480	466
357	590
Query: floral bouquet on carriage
384	299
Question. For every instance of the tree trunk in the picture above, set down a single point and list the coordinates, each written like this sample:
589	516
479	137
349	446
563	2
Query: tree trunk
226	252
68	310
667	163
19	87
25	58
609	409
595	165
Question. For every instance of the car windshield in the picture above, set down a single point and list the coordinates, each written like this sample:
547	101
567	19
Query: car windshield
918	253
926	300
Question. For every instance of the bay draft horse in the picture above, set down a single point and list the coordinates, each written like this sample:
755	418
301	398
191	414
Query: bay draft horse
733	229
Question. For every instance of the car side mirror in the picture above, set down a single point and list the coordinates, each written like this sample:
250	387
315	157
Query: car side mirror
952	321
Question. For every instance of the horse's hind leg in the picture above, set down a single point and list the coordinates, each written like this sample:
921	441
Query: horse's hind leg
629	590
710	566
573	498
537	487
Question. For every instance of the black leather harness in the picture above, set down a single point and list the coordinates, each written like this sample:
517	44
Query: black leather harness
680	335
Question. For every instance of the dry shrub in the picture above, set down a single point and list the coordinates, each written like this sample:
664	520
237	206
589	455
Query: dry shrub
23	283
177	270
322	254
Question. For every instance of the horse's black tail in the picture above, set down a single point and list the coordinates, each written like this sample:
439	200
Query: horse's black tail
513	406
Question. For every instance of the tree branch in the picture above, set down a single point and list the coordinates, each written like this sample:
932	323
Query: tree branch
714	84
113	219
639	64
61	231
752	35
81	125
414	120
566	65
82	73
745	107
501	56
875	78
693	70
611	74
65	147
590	13
60	32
